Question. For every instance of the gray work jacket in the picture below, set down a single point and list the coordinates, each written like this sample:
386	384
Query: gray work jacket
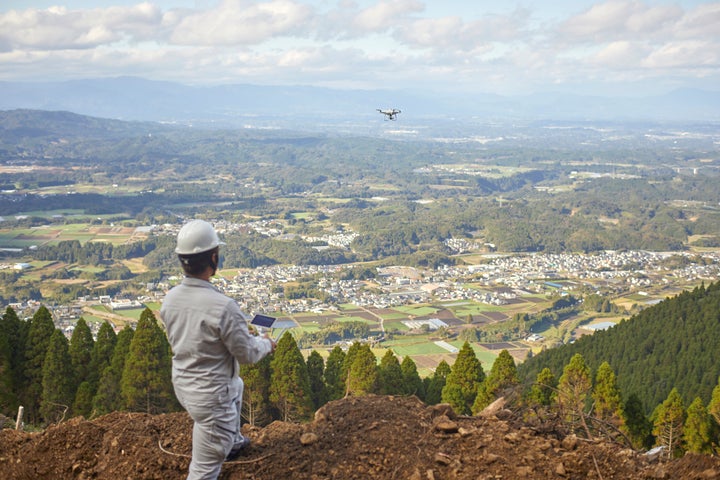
208	334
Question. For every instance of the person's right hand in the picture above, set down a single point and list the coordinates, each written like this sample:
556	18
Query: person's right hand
273	343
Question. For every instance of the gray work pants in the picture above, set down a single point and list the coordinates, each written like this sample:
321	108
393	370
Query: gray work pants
216	429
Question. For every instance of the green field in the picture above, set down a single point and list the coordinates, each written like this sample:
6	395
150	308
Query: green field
416	311
417	349
399	326
355	319
57	232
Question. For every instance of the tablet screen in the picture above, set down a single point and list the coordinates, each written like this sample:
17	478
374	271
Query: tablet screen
263	321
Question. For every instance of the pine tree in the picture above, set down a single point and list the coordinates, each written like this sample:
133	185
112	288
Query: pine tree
503	373
101	354
668	423
697	432
83	403
318	390
350	355
256	404
108	397
8	400
483	398
16	332
574	387
41	329
543	390
290	384
334	379
412	383
606	394
390	375
635	424
57	381
362	375
714	405
81	347
436	383
462	382
146	384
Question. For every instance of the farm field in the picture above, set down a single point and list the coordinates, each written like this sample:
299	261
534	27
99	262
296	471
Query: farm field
55	233
390	324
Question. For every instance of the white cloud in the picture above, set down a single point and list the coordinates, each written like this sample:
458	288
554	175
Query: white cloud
687	54
385	15
241	22
381	43
431	32
48	29
59	28
458	34
703	22
617	19
620	54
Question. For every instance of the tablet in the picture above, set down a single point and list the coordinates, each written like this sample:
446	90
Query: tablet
263	321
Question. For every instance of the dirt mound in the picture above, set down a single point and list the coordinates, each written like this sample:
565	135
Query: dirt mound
373	437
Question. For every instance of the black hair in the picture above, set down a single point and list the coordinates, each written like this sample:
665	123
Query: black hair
196	263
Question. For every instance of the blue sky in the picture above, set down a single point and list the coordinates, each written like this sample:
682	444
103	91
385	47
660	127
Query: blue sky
613	47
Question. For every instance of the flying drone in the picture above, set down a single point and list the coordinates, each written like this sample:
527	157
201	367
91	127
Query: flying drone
391	114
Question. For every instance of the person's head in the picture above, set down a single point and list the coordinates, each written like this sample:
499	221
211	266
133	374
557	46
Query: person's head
198	247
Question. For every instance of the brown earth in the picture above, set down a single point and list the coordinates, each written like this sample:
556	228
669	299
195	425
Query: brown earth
373	437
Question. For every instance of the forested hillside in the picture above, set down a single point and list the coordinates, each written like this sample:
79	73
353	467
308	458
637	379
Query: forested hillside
534	188
673	344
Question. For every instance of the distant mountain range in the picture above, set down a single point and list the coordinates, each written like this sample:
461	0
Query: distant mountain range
131	98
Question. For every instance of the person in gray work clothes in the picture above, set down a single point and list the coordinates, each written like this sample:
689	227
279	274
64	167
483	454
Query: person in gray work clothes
209	335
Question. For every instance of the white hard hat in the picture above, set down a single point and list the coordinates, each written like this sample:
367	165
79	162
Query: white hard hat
196	236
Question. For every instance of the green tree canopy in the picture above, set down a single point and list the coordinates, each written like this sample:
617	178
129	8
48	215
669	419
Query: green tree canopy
256	405
503	374
316	368
290	387
58	387
41	329
412	383
669	423
462	383
697	432
436	383
390	375
108	397
8	400
635	424
146	384
362	377
606	395
574	387
714	405
81	348
16	332
102	353
334	378
543	390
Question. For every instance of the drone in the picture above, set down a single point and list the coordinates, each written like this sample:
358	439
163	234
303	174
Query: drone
391	114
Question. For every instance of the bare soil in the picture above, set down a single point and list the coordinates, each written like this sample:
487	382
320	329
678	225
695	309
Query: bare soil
372	437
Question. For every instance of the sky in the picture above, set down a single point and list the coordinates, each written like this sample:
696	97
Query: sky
613	47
